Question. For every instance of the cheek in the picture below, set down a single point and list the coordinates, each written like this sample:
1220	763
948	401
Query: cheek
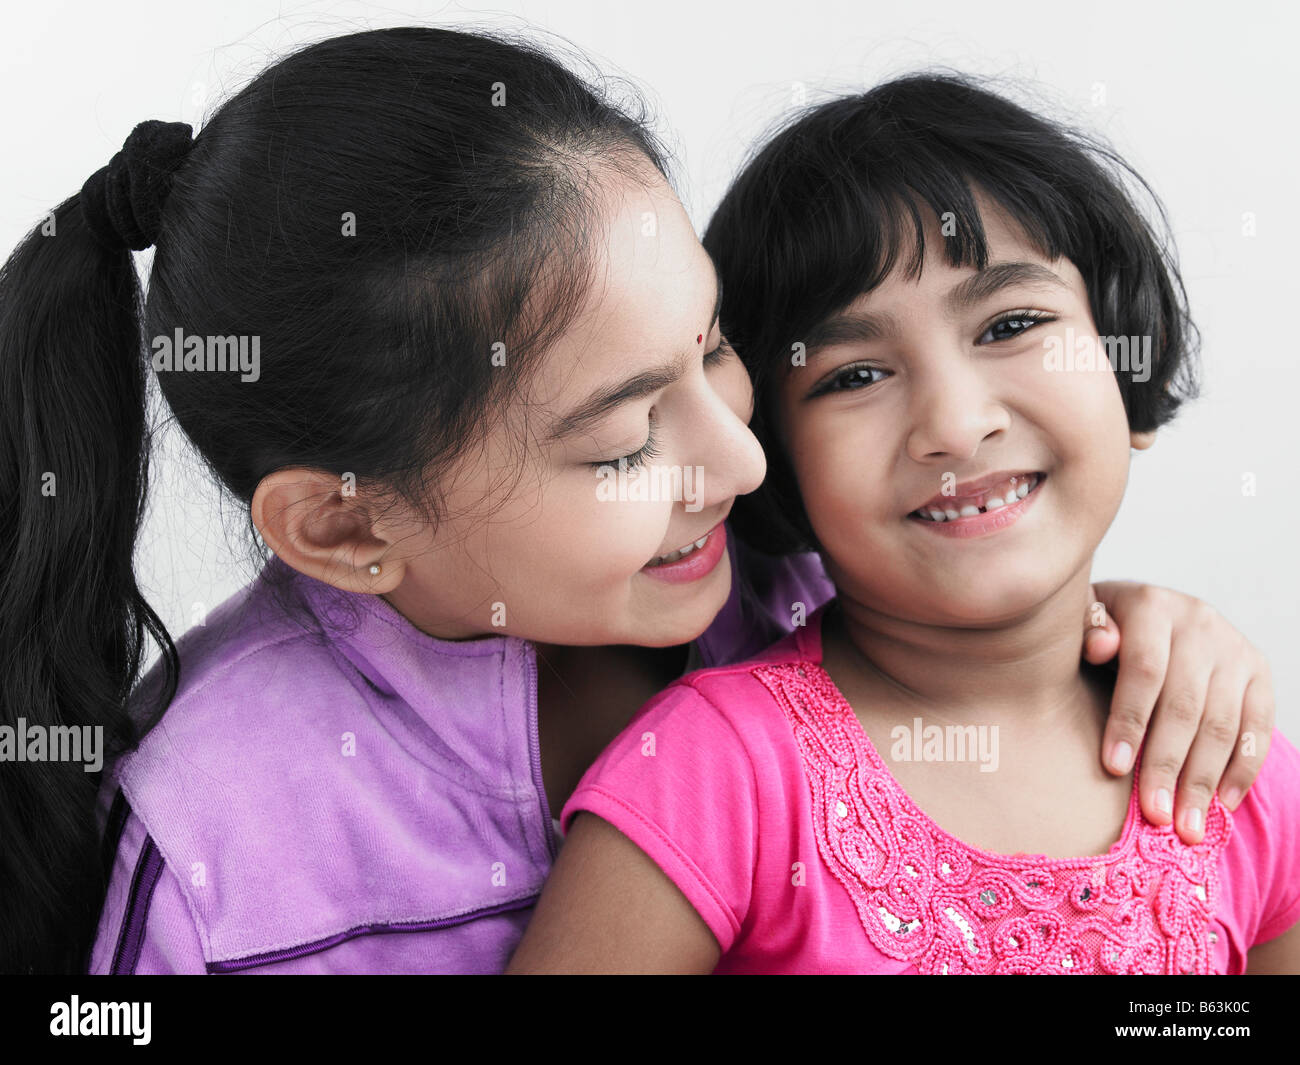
544	540
582	544
1084	415
841	469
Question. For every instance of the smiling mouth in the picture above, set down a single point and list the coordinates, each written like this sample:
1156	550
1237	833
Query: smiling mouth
681	552
994	498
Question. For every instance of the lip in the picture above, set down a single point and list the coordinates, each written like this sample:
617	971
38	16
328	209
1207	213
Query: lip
984	524
969	491
699	563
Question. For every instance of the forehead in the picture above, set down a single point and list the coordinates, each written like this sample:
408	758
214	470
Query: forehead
651	292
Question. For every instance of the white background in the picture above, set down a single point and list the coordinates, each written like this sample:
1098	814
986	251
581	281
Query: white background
1200	97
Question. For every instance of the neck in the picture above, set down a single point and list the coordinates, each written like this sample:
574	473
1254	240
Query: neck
1026	668
562	659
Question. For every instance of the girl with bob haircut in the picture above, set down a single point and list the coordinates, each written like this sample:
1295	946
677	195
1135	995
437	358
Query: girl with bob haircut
907	784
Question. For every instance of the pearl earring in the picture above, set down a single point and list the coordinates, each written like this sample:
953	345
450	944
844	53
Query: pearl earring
375	569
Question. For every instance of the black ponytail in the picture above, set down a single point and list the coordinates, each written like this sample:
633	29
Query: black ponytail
73	473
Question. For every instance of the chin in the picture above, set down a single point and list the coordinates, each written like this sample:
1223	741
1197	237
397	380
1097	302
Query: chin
984	605
691	628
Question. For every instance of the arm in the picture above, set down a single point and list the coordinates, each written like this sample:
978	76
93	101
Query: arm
1279	956
608	908
1205	690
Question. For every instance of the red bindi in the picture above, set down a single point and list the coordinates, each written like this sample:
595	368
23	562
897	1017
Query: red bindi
700	339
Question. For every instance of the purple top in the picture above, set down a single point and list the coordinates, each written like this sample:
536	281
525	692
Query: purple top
303	801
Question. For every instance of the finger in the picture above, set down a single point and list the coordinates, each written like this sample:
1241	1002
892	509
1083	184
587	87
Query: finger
1174	725
1101	636
1210	752
1143	661
1252	744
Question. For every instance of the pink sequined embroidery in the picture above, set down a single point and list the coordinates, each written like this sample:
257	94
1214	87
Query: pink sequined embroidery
924	896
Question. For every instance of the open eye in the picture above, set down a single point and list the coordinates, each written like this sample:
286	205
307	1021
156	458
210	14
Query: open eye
1013	325
851	379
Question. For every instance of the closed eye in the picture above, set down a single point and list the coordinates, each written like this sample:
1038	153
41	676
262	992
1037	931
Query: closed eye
650	449
720	354
634	461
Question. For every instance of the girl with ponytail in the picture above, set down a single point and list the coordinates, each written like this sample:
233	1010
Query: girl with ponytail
426	305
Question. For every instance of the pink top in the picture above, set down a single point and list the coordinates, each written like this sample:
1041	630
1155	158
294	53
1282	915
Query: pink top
755	789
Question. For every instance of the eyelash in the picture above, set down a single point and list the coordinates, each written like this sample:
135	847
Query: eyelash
829	385
1036	317
650	449
719	354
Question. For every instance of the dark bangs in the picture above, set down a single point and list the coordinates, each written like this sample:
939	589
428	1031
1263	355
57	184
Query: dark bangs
835	202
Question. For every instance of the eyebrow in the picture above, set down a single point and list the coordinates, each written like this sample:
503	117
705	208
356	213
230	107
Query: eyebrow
859	326
997	276
604	399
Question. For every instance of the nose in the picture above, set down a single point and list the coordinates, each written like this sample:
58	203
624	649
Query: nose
730	457
954	410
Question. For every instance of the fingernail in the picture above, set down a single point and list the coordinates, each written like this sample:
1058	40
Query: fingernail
1121	757
1231	797
1192	820
1164	803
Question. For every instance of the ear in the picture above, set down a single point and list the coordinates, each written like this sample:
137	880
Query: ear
1142	441
304	516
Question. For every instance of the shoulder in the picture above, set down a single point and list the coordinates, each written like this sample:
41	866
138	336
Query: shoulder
739	695
719	727
1271	808
1262	857
703	772
305	782
1277	790
250	679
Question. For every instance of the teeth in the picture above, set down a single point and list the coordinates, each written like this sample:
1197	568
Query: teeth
1017	489
681	552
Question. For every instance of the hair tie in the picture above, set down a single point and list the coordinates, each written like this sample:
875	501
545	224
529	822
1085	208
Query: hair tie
122	202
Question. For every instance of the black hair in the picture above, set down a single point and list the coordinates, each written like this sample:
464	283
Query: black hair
825	209
468	161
